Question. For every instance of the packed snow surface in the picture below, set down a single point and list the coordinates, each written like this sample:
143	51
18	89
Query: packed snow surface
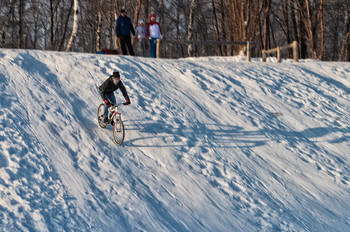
212	144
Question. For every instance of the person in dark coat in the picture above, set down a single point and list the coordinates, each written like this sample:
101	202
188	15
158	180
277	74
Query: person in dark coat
107	93
123	28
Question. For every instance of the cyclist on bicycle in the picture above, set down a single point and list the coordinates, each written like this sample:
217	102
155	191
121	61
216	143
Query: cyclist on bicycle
107	93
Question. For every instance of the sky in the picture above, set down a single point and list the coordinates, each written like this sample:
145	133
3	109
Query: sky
211	144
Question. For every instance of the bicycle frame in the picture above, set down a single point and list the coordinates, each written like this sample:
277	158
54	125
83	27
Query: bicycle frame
115	112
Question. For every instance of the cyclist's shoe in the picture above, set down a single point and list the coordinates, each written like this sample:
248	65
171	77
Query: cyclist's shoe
105	120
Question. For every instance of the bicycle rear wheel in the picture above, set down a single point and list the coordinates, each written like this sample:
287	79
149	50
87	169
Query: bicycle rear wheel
100	113
118	131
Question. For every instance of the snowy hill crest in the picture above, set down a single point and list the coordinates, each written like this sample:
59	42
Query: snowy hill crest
212	144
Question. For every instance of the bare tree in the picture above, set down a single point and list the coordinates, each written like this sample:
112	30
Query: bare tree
216	24
312	17
190	27
53	12
223	25
99	25
65	27
345	49
302	34
75	27
267	6
7	23
286	10
20	24
137	12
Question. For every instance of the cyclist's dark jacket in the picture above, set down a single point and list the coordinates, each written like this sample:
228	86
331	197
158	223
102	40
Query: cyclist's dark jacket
108	87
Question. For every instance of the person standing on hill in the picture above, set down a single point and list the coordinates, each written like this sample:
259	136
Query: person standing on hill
154	33
141	37
123	28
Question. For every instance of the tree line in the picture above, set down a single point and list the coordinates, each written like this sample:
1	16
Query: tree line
320	27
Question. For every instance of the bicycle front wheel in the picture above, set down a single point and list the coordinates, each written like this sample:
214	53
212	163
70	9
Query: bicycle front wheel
118	131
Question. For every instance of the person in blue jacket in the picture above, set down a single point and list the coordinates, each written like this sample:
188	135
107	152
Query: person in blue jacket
123	28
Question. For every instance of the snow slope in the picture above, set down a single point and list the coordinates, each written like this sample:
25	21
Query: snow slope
212	144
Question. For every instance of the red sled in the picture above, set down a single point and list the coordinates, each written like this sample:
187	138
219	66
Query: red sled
108	51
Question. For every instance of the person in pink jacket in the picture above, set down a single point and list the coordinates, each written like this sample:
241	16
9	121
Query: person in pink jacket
154	33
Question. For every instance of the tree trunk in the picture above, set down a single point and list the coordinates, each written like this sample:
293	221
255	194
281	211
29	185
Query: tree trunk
6	26
284	5
344	54
294	22
137	13
266	23
310	29
347	47
146	8
113	19
302	30
20	26
322	31
75	27
98	29
190	29
51	24
60	44
216	24
223	26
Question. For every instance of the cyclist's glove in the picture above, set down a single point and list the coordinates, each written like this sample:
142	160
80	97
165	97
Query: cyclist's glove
127	102
108	103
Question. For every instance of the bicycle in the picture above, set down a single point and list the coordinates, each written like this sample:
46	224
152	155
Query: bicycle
114	117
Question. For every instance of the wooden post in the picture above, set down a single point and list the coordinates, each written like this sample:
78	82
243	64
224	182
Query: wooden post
278	54
295	51
248	51
263	55
158	45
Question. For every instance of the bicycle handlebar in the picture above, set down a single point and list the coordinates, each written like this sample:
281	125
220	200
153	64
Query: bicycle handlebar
118	105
